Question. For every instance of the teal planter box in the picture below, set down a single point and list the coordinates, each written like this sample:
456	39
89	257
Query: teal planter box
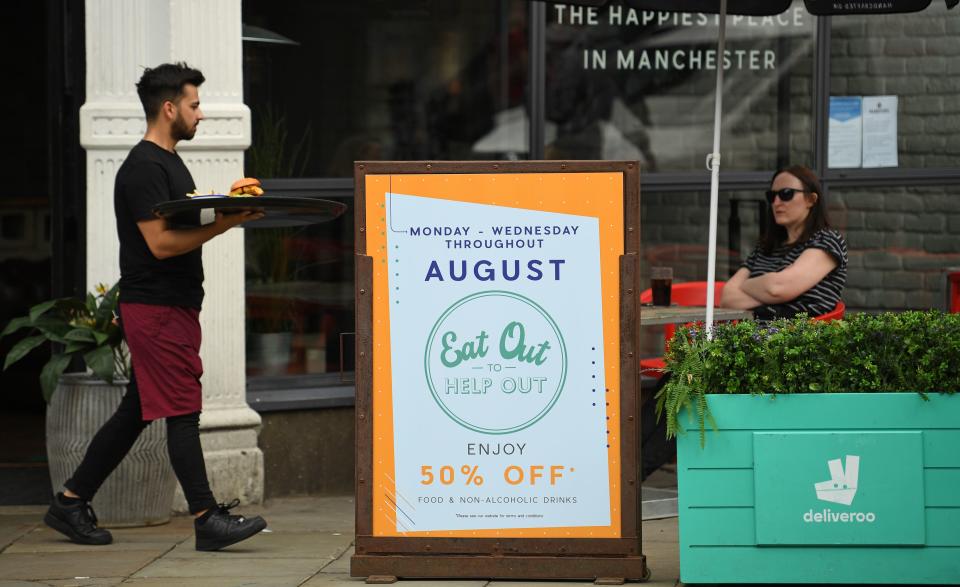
822	488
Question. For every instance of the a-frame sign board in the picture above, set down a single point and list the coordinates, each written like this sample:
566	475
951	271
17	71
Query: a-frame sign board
497	398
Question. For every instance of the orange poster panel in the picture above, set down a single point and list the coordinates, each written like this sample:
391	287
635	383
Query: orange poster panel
496	328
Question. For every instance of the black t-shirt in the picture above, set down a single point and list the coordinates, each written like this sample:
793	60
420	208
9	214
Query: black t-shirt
151	175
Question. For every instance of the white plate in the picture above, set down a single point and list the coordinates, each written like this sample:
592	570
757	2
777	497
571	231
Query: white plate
206	196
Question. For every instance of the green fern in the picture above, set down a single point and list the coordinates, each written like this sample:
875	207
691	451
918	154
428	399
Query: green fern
687	384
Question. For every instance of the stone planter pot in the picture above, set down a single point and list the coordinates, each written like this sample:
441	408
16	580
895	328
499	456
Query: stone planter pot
140	490
822	488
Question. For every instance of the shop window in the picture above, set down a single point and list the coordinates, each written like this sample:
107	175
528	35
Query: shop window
36	172
13	228
329	83
300	309
673	231
625	83
674	228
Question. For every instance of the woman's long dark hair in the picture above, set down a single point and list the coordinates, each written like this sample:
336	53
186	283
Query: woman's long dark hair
775	235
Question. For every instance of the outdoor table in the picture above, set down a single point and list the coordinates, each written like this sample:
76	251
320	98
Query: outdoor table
663	315
660	315
280	211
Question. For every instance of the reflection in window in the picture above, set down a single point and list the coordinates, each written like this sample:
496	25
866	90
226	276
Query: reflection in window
912	57
329	83
624	83
674	228
299	291
673	233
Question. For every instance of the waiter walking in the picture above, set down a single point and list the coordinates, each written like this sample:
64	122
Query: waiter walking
161	291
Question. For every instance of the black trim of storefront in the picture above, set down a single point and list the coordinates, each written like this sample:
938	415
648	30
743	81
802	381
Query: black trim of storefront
304	392
821	95
537	80
66	172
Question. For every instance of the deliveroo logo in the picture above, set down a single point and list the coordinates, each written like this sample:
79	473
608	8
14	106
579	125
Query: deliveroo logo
842	485
840	488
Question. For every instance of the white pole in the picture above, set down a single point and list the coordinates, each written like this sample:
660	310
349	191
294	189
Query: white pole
713	162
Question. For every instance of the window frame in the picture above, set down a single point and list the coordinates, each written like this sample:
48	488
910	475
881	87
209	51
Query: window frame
308	392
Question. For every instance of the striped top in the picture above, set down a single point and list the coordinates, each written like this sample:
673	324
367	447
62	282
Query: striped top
819	299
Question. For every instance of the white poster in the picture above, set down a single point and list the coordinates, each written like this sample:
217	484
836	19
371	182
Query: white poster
880	131
496	333
845	132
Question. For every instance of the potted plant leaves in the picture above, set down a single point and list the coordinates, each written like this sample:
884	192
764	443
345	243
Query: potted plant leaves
88	332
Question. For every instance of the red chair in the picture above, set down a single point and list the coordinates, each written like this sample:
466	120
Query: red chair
692	293
953	292
835	314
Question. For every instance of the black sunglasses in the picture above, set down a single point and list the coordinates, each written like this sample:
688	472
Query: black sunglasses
786	194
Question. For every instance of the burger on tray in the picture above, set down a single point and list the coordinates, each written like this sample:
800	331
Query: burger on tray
246	187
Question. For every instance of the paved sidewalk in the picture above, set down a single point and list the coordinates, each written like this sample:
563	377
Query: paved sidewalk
309	544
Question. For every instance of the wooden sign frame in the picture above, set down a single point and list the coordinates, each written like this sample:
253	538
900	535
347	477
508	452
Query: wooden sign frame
384	559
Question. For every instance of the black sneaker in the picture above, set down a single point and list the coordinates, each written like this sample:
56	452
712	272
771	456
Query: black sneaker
76	521
219	528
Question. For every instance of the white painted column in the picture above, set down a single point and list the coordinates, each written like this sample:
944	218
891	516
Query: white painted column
123	37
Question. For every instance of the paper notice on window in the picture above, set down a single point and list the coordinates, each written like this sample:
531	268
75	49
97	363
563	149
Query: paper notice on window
845	131
879	131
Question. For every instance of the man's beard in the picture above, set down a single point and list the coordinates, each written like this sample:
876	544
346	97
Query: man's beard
180	130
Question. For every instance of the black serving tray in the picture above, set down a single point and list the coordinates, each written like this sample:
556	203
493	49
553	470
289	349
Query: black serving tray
280	211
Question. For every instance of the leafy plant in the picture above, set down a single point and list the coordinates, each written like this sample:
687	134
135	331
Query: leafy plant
268	156
272	155
83	328
892	352
269	280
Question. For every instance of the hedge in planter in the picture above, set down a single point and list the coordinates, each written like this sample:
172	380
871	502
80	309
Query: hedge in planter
891	352
800	481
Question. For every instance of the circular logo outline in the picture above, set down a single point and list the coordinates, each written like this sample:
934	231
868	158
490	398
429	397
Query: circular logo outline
563	370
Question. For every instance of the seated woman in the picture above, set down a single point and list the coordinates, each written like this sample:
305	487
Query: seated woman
800	265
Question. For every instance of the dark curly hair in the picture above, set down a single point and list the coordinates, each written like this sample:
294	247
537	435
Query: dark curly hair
165	83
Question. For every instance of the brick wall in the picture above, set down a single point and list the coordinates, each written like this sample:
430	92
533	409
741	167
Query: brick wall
900	241
915	57
674	232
